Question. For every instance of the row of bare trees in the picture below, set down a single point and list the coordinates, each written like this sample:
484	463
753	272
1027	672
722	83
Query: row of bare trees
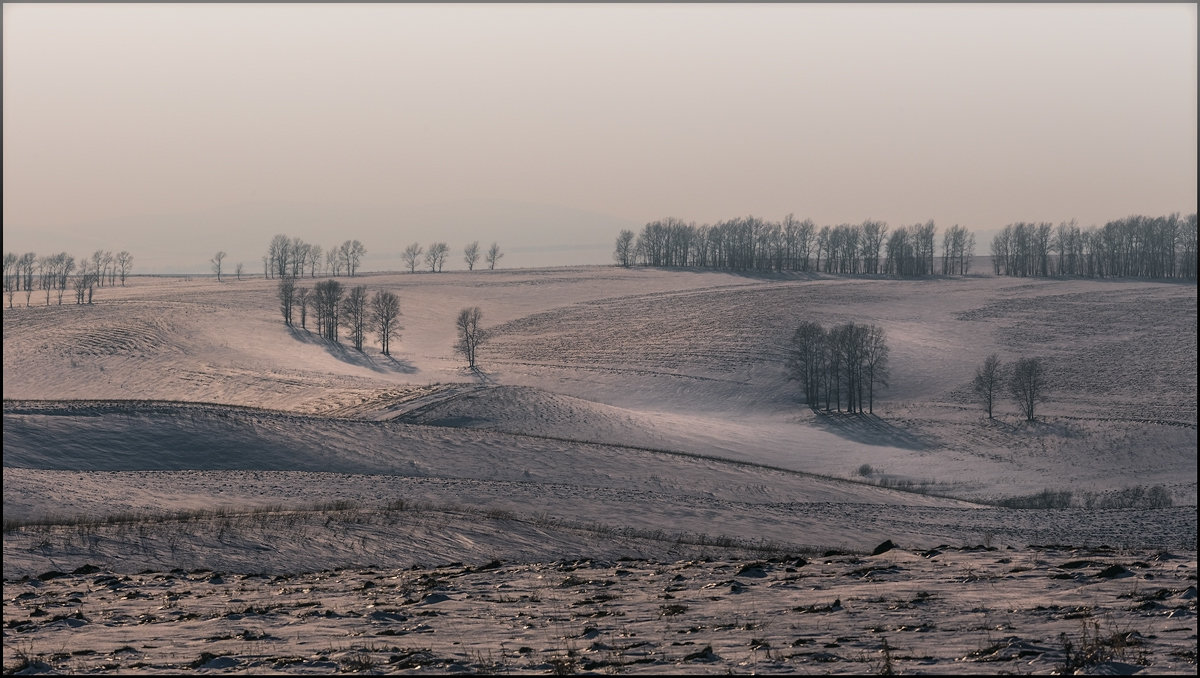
1133	247
435	256
752	244
293	258
842	364
53	273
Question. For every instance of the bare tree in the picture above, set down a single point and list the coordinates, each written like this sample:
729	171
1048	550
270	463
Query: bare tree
287	298
238	269
64	274
110	267
355	315
11	276
314	259
81	283
470	334
623	253
333	261
302	297
986	384
385	317
352	252
46	275
471	255
280	253
875	362
1027	385
299	251
216	265
411	255
125	264
28	264
436	256
493	255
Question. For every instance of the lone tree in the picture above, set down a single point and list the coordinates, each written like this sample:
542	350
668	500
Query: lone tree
470	334
385	318
411	255
355	315
125	264
987	382
471	255
216	265
1027	385
493	255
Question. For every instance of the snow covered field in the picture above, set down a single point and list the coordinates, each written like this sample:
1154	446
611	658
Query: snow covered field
179	425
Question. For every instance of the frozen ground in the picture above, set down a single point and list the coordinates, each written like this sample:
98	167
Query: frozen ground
179	425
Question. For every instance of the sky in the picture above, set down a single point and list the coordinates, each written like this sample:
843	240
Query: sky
177	130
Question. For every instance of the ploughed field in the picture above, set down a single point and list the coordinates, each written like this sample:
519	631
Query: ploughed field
178	426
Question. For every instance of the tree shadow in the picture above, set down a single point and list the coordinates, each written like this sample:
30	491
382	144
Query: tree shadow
381	363
480	375
869	429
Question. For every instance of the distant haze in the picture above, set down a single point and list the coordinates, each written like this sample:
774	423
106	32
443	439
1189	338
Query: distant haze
176	130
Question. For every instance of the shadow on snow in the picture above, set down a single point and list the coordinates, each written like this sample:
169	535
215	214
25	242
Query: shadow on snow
868	429
379	363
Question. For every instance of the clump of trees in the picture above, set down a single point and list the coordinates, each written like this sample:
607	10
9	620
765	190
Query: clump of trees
53	273
842	364
1136	247
336	308
1024	381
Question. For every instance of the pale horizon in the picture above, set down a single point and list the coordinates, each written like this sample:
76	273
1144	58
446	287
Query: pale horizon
174	131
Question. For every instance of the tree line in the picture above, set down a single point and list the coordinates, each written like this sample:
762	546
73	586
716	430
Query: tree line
841	365
54	273
293	258
752	244
1133	247
1136	246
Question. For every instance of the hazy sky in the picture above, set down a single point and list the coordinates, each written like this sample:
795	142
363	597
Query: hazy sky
175	130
